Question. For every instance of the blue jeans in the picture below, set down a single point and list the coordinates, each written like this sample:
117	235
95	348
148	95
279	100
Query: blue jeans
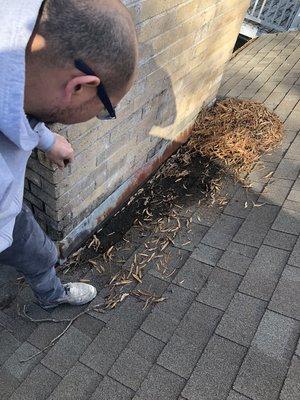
34	256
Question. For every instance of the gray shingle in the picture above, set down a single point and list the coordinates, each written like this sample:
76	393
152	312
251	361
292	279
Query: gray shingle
88	325
287	169
136	234
285	299
236	396
280	240
7	273
276	191
260	377
256	187
175	259
153	282
188	238
8	345
79	383
193	275
294	151
104	350
206	215
125	250
297	184
65	311
294	196
241	319
109	389
235	262
295	256
264	272
20	328
215	371
298	349
130	369
45	332
243	249
187	210
129	317
180	356
8	383
8	293
160	325
260	171
32	308
241	203
291	387
219	288
99	314
276	154
292	121
14	364
38	385
199	323
256	225
266	364
206	254
292	205
178	301
66	351
146	346
222	232
160	384
287	221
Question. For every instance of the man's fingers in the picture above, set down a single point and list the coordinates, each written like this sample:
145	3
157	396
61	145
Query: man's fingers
69	153
72	156
60	164
61	153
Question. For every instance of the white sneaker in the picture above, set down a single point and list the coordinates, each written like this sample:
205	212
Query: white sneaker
76	294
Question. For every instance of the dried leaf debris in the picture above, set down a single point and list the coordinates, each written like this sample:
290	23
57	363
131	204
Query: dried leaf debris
236	132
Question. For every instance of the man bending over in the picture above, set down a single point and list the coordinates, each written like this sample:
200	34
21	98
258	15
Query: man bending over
61	61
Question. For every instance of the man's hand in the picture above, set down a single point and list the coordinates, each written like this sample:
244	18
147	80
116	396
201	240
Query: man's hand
61	152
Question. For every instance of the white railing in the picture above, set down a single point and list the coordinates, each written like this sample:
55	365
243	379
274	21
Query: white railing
276	15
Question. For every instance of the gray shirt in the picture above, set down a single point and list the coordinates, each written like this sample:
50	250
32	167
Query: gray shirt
17	138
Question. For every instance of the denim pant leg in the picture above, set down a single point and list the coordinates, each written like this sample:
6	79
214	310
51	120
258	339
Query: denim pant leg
34	255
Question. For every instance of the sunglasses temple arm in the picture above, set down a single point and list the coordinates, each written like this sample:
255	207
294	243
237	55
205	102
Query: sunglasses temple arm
105	100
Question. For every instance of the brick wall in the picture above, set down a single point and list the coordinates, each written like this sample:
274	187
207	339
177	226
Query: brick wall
183	48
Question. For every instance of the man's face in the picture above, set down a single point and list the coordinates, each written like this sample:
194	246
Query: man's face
65	97
74	113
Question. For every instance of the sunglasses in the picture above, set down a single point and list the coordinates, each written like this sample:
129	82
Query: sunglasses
109	111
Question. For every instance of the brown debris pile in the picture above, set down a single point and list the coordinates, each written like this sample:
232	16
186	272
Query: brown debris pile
236	132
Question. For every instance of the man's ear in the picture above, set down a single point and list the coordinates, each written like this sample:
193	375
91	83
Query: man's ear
76	86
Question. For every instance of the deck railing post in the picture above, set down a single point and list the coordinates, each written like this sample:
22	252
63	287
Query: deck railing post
254	7
262	9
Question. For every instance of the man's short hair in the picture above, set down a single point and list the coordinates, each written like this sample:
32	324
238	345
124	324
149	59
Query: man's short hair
93	31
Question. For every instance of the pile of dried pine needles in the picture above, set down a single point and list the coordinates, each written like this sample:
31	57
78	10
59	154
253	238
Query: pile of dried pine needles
236	133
